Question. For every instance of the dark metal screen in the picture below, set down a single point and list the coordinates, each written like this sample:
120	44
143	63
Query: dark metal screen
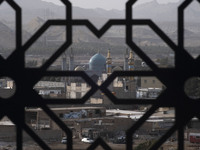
173	78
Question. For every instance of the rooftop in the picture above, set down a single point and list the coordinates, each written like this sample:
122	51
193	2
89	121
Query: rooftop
6	123
69	108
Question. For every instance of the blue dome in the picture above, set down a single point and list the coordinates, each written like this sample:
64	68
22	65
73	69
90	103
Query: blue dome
97	63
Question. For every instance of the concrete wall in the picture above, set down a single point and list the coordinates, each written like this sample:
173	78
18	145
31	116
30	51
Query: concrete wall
96	100
150	82
42	120
8	134
75	88
46	135
49	84
109	124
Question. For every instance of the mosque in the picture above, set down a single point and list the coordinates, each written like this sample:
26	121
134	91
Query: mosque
99	68
99	64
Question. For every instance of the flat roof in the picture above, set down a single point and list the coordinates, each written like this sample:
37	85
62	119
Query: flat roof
116	111
68	108
194	134
138	114
6	123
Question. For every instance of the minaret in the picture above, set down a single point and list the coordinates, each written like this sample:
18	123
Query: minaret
108	63
64	68
64	62
71	60
131	62
126	60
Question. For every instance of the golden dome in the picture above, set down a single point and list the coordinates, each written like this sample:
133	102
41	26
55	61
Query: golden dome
117	68
79	68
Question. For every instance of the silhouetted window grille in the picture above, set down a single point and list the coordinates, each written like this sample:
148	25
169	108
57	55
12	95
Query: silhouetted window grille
173	78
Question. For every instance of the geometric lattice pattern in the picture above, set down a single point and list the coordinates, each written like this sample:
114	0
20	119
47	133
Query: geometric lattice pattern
173	78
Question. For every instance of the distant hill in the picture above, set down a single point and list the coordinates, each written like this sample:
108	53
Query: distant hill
155	11
166	12
35	14
34	24
152	10
7	38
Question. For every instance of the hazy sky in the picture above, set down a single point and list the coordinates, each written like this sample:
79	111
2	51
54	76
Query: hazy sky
106	4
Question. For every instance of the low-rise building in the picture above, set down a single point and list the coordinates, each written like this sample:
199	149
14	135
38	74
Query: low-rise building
151	82
38	119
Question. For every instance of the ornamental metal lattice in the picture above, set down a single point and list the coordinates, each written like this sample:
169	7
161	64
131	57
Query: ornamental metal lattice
173	78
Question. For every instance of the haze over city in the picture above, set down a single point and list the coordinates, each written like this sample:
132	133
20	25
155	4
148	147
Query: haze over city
107	4
56	87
